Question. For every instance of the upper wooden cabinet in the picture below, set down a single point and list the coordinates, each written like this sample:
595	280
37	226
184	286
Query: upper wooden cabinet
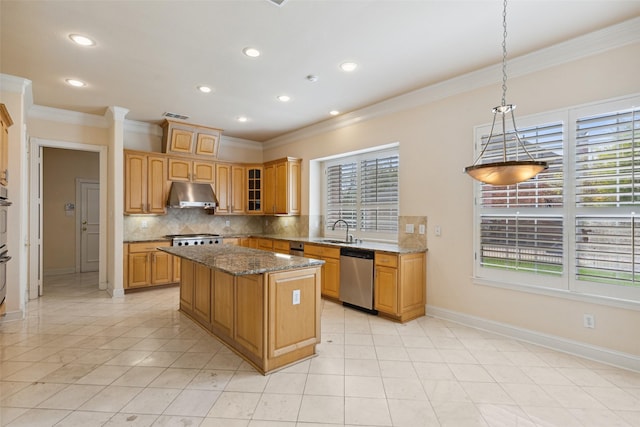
189	170
282	187
5	123
255	185
185	138
230	188
145	183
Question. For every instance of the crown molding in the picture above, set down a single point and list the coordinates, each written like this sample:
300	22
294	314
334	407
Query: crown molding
14	84
67	116
609	38
142	127
231	141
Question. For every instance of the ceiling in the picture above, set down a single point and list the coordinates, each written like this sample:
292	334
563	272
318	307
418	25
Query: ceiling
150	56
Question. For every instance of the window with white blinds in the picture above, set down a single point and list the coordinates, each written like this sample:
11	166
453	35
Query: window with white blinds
520	228
363	190
576	226
607	183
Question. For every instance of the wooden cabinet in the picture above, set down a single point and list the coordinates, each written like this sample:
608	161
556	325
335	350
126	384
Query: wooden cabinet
282	187
5	123
330	282
230	188
187	285
400	288
145	183
254	185
281	246
185	138
202	294
189	170
264	244
146	266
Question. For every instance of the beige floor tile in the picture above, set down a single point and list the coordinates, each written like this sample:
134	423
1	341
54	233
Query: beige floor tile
249	381
139	376
362	367
278	407
358	386
174	378
103	375
235	405
131	420
71	397
322	409
39	418
404	388
111	399
325	385
366	411
412	413
286	383
151	401
195	403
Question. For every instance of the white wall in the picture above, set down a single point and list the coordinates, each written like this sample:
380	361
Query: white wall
436	143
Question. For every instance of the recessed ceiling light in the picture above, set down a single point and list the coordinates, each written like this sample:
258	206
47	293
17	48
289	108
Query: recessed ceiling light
243	119
283	98
334	112
312	78
82	40
348	66
204	89
75	82
251	52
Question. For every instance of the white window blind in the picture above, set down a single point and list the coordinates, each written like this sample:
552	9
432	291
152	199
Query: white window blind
520	226
576	226
379	194
607	170
363	190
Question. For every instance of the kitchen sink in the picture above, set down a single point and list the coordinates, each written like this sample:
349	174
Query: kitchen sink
339	242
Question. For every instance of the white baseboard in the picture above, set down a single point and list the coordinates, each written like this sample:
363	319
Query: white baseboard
588	351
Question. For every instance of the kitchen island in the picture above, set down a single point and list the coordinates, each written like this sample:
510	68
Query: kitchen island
264	306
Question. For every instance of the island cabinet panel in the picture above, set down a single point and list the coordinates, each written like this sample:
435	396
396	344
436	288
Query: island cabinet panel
222	304
292	305
202	294
187	279
250	314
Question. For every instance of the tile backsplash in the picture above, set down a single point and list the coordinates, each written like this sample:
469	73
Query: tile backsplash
186	221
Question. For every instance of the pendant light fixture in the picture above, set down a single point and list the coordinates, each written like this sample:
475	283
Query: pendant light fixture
505	172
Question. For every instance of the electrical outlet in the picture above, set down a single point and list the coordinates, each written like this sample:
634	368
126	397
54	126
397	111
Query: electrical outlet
438	231
143	224
589	321
296	297
227	223
421	229
408	228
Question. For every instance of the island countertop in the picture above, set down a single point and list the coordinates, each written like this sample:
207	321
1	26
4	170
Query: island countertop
239	261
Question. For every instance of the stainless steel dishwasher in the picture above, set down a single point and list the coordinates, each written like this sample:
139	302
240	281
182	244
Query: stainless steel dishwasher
356	278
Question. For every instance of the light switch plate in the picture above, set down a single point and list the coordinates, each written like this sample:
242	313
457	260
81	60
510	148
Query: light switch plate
296	297
408	228
421	229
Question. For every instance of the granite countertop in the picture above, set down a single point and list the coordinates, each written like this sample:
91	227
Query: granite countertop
373	246
238	261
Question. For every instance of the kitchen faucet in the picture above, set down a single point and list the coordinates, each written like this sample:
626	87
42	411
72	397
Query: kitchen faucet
346	239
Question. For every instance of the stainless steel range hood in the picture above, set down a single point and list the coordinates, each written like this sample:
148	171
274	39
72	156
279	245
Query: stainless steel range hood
192	195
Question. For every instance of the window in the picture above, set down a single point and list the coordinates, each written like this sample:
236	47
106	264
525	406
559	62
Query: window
363	190
573	227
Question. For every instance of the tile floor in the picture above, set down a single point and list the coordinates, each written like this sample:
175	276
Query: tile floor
84	359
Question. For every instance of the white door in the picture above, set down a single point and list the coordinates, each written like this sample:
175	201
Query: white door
90	226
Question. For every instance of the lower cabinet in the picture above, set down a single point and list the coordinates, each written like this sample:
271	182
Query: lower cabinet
400	291
145	266
330	270
254	314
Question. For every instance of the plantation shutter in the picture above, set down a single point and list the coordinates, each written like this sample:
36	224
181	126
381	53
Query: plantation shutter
607	173
521	228
342	193
379	194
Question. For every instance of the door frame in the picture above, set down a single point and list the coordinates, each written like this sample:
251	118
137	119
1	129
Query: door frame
34	285
79	214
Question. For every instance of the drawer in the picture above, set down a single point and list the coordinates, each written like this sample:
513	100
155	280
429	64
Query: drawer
386	260
281	246
321	251
265	244
147	246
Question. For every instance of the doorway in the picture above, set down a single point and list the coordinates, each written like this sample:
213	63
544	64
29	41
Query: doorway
67	213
